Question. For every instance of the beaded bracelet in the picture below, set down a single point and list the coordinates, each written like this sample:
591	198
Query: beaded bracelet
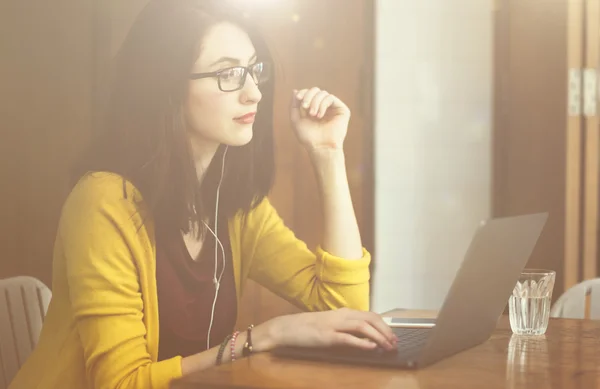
233	338
222	350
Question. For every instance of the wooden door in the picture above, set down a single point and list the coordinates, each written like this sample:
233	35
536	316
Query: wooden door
588	268
574	135
583	142
530	121
547	134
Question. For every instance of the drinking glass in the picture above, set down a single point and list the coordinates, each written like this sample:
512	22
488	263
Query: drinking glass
529	304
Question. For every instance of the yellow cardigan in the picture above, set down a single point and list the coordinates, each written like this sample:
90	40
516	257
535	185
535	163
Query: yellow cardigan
101	330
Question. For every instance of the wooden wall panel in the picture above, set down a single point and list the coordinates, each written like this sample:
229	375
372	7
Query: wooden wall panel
530	120
47	97
573	137
331	55
592	141
11	99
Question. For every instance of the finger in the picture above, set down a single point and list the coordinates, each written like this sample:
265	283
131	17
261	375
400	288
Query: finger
364	328
339	105
308	96
316	101
376	322
325	104
344	339
300	94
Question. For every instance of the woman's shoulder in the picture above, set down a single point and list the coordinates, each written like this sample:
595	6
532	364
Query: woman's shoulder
100	191
106	185
261	209
262	215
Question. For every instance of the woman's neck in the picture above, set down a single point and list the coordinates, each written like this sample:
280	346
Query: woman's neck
203	153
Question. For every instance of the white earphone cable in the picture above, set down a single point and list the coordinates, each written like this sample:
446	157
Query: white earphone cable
216	281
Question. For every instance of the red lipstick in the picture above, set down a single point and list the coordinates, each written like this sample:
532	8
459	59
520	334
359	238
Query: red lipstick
247	118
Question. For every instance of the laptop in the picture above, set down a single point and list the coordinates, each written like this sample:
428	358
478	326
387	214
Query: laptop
479	293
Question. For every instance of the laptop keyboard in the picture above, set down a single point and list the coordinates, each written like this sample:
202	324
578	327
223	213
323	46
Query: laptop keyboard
410	344
411	340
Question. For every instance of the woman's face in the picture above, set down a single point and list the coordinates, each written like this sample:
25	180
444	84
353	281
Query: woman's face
215	116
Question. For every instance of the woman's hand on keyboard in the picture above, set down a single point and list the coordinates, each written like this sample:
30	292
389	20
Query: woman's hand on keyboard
341	327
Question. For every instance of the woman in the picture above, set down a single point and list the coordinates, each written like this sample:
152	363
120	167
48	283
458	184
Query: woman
169	217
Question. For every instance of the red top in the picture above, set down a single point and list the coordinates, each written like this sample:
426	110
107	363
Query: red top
186	293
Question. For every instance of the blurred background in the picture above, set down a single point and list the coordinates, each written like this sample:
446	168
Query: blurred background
462	110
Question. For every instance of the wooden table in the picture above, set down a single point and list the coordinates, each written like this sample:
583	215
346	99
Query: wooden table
567	356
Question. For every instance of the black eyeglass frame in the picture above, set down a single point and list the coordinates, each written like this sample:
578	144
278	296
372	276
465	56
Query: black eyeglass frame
246	69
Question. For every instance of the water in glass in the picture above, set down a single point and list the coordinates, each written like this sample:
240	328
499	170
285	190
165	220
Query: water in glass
529	304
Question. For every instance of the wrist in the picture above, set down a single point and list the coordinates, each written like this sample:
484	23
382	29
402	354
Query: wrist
330	168
265	337
326	155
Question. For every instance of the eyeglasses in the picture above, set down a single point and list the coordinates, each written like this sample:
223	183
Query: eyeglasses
234	78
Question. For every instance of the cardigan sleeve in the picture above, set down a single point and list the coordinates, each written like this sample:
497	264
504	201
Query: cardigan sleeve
311	280
100	235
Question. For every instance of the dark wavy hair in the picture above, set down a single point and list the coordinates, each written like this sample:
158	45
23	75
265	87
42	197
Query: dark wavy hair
144	136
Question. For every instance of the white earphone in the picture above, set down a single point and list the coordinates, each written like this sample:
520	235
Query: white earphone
216	281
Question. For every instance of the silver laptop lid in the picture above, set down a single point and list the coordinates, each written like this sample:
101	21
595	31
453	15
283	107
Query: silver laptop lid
482	286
